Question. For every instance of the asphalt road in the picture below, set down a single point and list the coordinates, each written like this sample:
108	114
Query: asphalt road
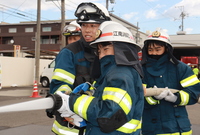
26	122
37	123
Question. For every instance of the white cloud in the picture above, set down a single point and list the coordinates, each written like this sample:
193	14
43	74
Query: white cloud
49	9
189	7
189	30
129	15
165	30
45	5
151	14
151	0
26	5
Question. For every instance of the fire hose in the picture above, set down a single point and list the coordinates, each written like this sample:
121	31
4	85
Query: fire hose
157	91
55	101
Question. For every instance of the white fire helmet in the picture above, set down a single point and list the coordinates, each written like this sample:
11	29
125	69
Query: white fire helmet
88	12
159	35
113	31
72	29
75	24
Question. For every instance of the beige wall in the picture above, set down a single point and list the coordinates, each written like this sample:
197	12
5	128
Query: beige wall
17	71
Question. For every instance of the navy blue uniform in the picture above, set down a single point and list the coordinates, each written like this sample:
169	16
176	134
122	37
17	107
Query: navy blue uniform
118	88
163	117
72	67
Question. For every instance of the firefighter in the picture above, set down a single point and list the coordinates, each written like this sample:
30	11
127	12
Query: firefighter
166	113
195	70
73	64
116	106
72	32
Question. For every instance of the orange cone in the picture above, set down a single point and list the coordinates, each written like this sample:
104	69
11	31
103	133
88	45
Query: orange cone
35	91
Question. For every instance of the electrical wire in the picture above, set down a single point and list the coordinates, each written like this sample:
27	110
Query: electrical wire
18	8
73	3
17	16
20	14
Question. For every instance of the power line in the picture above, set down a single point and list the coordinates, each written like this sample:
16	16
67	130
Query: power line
73	3
58	6
25	15
17	16
18	13
18	7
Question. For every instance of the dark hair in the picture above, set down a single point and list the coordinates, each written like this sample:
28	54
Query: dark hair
153	42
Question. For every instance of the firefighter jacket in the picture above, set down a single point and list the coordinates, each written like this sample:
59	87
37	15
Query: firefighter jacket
72	67
163	117
117	104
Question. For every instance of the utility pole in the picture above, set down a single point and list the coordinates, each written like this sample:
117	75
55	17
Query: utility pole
137	34
37	43
182	18
111	1
182	15
63	39
107	4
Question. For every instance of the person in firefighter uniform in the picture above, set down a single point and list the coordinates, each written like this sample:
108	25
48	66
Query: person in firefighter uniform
116	106
73	63
72	32
166	113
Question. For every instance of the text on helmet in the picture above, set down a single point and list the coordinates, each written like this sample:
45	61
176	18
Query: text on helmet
117	33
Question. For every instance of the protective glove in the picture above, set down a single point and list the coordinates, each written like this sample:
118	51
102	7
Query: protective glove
162	94
67	113
64	109
171	97
81	88
78	121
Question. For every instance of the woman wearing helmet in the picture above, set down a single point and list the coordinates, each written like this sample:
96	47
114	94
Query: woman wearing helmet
116	106
166	113
72	32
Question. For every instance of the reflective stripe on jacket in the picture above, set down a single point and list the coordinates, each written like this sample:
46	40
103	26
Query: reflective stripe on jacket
119	87
73	65
161	117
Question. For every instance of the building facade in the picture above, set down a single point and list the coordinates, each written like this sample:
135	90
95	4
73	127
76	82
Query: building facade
187	45
23	35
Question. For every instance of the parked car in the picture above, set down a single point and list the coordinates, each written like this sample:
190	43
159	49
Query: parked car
46	75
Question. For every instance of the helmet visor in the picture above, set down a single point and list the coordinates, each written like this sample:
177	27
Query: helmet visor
89	8
70	29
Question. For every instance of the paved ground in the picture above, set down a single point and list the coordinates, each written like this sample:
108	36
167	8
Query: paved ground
26	122
37	123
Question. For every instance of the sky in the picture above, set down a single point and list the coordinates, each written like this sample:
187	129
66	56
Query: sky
148	14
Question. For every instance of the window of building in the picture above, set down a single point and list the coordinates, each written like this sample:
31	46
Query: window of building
45	40
46	29
53	39
7	40
12	30
28	29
